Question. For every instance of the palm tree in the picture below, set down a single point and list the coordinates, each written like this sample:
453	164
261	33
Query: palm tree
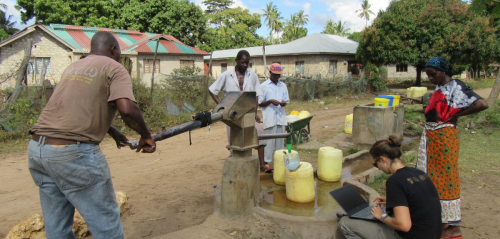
365	11
5	21
302	19
277	22
335	28
340	29
269	14
273	19
329	28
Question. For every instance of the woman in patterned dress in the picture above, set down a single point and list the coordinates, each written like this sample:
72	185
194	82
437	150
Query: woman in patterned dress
439	146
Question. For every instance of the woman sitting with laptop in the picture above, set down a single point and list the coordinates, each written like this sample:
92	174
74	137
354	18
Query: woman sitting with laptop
412	204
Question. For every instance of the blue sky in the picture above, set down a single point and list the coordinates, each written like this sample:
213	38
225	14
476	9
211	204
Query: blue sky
319	11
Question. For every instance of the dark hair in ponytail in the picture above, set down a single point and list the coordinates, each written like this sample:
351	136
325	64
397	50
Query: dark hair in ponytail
390	148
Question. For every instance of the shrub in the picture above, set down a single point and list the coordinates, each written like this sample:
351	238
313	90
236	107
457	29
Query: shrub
373	78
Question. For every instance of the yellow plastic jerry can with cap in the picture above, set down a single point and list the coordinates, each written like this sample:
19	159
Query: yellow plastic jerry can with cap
299	183
330	164
279	166
348	124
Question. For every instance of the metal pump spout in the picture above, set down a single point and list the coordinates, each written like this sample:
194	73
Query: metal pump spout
237	110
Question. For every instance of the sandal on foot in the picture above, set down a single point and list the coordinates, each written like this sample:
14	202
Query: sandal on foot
267	169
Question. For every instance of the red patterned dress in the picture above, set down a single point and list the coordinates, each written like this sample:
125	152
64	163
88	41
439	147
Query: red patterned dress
439	145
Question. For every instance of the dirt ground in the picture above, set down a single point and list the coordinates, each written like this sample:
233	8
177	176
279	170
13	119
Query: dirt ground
173	188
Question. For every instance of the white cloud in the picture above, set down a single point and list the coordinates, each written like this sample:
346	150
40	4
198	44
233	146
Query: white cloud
236	3
307	7
291	3
345	10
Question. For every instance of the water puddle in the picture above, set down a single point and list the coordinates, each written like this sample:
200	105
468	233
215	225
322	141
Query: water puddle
273	196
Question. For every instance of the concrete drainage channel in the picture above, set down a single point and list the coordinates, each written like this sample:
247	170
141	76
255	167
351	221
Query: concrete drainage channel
322	226
264	223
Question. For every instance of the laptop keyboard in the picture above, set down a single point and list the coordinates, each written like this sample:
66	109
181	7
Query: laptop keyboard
365	212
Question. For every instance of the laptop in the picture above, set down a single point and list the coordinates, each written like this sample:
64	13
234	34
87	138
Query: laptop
353	203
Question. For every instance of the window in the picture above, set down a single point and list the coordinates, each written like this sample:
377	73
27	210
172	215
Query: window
279	62
353	67
39	66
401	68
148	66
188	63
333	67
223	67
299	67
250	65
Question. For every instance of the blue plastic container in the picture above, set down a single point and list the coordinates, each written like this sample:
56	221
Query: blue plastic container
391	98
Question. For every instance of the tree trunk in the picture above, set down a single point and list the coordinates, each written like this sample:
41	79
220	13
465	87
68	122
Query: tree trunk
418	82
21	72
492	99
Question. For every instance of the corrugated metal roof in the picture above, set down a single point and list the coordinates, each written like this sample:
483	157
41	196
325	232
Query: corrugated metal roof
313	44
79	37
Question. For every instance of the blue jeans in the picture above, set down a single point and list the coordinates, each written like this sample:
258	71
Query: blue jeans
74	176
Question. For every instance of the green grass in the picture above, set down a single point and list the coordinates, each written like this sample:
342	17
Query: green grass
481	83
479	163
14	145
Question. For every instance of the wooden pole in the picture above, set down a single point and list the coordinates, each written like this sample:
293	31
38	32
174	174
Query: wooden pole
264	57
210	63
154	69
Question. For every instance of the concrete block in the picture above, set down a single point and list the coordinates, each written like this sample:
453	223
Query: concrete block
372	123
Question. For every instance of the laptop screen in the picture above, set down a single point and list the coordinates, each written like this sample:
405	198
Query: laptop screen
348	198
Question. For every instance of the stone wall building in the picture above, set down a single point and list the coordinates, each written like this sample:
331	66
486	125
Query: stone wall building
56	46
311	56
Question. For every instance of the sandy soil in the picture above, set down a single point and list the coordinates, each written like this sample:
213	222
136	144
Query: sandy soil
172	189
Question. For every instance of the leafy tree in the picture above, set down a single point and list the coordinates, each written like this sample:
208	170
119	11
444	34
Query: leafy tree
216	6
490	8
294	27
6	25
355	36
238	29
99	13
335	28
273	19
179	18
411	32
3	35
365	11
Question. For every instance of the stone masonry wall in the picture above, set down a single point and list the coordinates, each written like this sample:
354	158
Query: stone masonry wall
167	64
44	45
314	65
411	74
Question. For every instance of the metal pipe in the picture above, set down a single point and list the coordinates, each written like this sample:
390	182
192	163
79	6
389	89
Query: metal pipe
176	130
274	136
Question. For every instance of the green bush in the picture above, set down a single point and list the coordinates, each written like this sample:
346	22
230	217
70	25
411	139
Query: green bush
186	71
21	116
373	78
